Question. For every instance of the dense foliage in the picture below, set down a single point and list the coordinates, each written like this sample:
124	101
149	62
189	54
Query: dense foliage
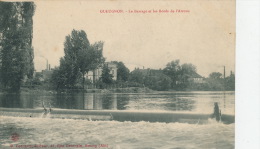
16	51
106	77
172	70
122	71
159	82
80	57
176	76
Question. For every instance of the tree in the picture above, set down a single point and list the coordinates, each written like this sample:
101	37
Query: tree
230	82
68	74
215	75
106	77
90	58
122	71
159	81
136	76
16	43
69	63
28	12
215	82
186	72
188	69
80	57
172	70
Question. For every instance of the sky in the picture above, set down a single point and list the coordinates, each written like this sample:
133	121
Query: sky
204	37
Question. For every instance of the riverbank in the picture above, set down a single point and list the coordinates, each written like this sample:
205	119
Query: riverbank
41	91
113	90
121	90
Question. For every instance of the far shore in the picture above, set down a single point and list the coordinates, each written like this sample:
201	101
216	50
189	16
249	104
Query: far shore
111	90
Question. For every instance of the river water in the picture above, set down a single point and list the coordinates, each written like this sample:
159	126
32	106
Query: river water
70	133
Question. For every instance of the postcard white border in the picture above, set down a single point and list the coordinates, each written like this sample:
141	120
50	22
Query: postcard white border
247	75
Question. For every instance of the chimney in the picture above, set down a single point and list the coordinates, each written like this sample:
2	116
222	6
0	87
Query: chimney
49	66
224	72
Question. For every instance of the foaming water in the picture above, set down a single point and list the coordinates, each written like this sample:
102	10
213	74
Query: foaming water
123	135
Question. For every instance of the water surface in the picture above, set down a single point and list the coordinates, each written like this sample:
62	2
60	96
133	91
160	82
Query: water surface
55	133
200	102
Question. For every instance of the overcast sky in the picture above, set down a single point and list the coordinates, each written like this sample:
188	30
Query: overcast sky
204	37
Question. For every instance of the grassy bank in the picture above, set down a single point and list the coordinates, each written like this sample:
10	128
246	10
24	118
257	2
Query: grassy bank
39	91
121	90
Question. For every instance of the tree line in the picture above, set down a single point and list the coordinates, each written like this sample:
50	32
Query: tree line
176	76
82	57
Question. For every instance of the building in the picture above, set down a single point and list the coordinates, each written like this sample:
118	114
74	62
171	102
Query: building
150	72
196	78
96	74
47	73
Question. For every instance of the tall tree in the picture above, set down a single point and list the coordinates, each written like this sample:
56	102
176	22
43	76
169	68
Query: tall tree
27	18
80	57
16	43
172	70
69	63
122	71
187	71
106	77
90	59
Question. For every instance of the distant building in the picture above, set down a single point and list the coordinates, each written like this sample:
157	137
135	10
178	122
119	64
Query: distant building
96	74
196	78
46	74
149	72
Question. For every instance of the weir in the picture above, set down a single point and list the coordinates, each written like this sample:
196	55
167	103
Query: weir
116	115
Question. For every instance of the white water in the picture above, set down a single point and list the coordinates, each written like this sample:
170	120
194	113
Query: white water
117	135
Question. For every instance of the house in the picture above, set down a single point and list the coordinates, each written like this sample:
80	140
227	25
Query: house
196	78
96	74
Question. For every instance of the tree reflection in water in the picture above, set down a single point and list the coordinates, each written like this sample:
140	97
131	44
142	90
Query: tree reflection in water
16	100
184	101
91	101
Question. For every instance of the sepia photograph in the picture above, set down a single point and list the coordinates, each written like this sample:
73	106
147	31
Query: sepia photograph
118	74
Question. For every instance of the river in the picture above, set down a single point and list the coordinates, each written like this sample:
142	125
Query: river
70	133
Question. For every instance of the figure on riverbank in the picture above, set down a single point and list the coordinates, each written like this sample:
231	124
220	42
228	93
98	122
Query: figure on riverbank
50	107
45	110
217	112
